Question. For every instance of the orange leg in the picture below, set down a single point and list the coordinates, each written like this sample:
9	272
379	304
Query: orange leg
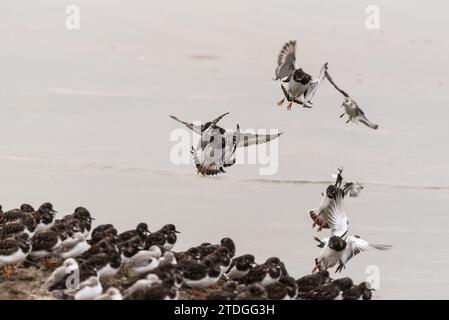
47	262
280	103
9	271
289	107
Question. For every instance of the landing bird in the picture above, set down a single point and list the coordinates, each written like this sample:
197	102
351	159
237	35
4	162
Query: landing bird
352	109
331	213
339	250
217	147
300	84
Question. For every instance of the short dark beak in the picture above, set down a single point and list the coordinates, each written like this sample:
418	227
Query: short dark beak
176	231
92	218
53	211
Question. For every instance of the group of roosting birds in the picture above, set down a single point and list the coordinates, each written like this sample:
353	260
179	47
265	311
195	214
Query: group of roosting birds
88	257
217	146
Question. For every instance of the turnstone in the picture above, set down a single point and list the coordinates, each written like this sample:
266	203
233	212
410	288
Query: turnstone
158	291
253	292
216	149
169	271
16	214
101	232
358	292
355	245
62	282
144	260
337	250
352	109
224	258
300	84
107	264
44	217
201	274
330	291
129	249
265	274
110	294
290	285
312	282
45	242
89	289
80	219
331	214
141	231
60	273
277	291
227	292
240	266
13	251
73	246
25	225
165	237
148	281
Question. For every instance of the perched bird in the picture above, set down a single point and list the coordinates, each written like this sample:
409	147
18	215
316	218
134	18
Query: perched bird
267	273
44	243
89	289
352	109
201	274
16	214
110	294
60	273
148	281
227	292
330	291
216	149
290	285
168	258
169	271
44	217
358	292
144	260
13	251
164	290
106	264
141	231
240	266
300	84
101	232
73	246
312	282
165	237
253	292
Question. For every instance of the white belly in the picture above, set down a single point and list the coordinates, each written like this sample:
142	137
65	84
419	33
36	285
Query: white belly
296	89
78	250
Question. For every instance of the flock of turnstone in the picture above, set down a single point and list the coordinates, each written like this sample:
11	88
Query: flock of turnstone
217	146
88	257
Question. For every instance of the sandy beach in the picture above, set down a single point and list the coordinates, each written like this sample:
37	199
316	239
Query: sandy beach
84	119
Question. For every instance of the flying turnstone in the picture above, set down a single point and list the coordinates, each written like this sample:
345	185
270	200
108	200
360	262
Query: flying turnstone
301	86
352	109
240	266
331	214
217	147
89	289
110	294
13	251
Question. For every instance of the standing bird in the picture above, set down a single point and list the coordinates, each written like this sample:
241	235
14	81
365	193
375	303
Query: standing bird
301	86
217	147
352	109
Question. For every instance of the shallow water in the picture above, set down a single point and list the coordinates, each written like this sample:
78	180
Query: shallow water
84	122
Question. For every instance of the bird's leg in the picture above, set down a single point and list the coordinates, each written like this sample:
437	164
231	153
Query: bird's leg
289	106
341	116
47	262
8	271
317	266
280	103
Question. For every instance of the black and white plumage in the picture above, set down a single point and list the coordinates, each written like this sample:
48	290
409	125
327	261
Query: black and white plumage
144	261
217	147
73	246
253	292
331	213
312	282
240	266
45	242
141	232
356	245
14	250
267	273
44	217
361	291
301	86
330	291
201	274
166	237
352	109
